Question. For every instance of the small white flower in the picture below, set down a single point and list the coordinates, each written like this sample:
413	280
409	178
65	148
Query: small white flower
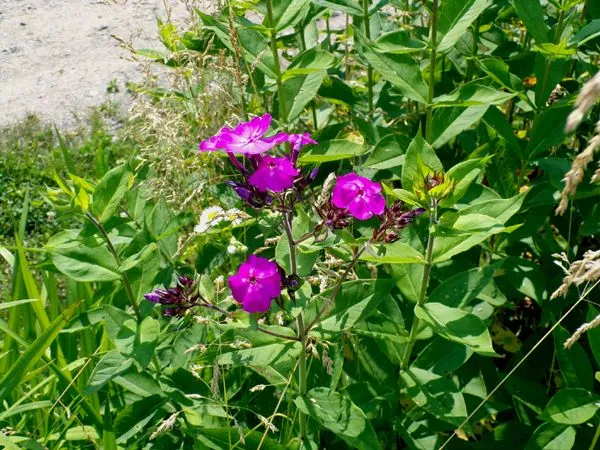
209	218
232	249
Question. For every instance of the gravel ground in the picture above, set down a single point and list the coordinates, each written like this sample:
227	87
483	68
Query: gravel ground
57	57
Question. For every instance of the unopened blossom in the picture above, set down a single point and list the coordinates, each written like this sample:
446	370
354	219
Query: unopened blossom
359	195
256	283
297	141
274	174
178	299
246	138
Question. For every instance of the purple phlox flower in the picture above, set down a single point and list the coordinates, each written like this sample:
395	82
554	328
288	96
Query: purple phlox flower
181	297
274	174
256	283
246	138
359	195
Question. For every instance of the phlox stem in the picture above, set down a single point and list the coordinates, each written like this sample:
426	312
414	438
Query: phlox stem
414	329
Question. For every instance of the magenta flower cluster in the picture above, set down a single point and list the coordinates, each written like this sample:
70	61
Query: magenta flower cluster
259	281
263	174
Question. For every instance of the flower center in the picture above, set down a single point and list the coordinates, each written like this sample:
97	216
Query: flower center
272	165
252	280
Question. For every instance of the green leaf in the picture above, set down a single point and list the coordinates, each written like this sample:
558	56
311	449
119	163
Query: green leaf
399	69
419	152
548	129
458	290
110	366
437	395
256	50
457	326
344	319
79	260
310	61
27	359
288	13
532	15
388	153
587	33
132	419
225	438
455	17
593	334
499	71
501	209
333	150
299	91
337	413
473	94
442	357
109	192
450	122
571	407
458	233
255	348
396	253
146	341
351	7
575	367
463	174
398	42
551	436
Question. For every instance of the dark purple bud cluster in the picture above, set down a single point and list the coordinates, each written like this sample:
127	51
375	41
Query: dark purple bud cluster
334	217
394	220
178	299
251	195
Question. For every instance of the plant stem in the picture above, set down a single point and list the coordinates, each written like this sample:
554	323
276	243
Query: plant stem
414	329
367	26
474	50
595	438
124	276
276	67
336	288
302	373
432	58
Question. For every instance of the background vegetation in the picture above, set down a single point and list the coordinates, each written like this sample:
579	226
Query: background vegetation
480	88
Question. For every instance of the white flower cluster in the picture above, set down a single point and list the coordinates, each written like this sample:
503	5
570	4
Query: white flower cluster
211	217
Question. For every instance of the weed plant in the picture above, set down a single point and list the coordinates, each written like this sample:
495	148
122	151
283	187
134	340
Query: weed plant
370	258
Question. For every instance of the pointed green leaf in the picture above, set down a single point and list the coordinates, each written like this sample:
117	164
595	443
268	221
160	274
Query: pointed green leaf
455	17
435	394
457	326
399	69
571	407
419	152
337	413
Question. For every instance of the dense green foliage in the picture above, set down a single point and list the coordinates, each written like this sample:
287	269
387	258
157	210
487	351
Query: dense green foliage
446	338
